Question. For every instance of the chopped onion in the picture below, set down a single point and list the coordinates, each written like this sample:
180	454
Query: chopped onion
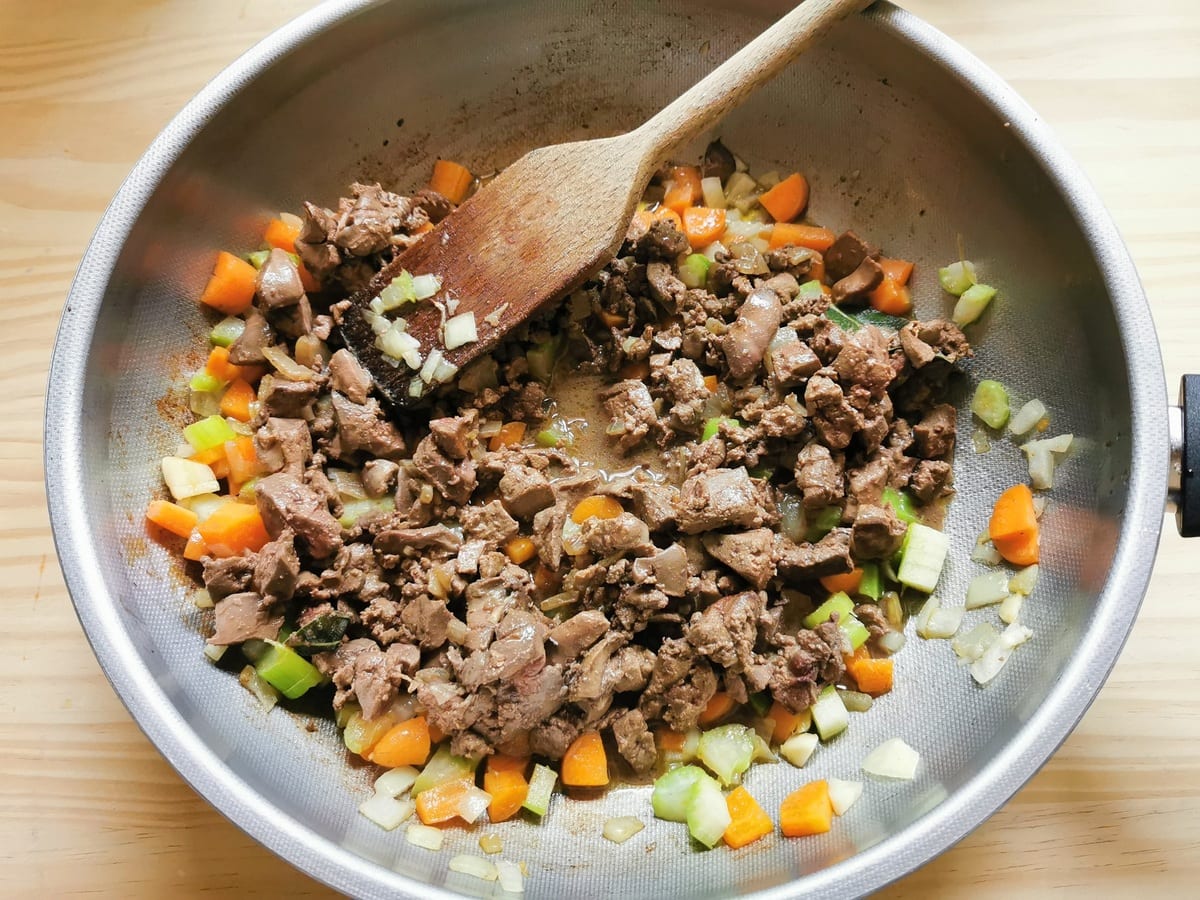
843	794
425	286
762	750
204	403
432	361
1039	506
202	599
386	812
892	642
892	759
457	631
311	351
474	865
986	589
215	651
378	323
1042	460
416	388
892	609
737	229
490	427
291	220
935	622
188	478
798	749
460	330
1027	417
473	804
254	683
444	372
512	879
996	655
970	646
1024	581
490	843
713	249
856	701
1010	609
399	344
622	828
572	538
691	745
714	194
285	365
395	782
493	318
747	258
737	186
985	551
425	836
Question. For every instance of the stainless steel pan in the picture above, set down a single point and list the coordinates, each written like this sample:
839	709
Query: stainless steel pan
905	137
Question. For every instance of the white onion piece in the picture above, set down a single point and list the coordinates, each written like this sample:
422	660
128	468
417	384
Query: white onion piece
798	749
444	372
511	877
1010	609
416	388
187	478
714	194
395	782
855	701
491	843
892	609
989	664
291	220
892	642
202	599
474	865
460	330
255	684
490	427
399	344
985	551
843	794
739	185
713	249
892	759
933	622
1027	417
215	651
970	646
432	361
1041	455
386	812
285	365
621	828
1024	581
986	589
425	836
473	804
425	286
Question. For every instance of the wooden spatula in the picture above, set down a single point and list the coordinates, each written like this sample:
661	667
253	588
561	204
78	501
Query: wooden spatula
554	217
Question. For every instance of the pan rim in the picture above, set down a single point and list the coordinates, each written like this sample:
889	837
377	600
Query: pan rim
975	802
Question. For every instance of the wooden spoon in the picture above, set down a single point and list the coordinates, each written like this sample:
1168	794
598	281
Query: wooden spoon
556	216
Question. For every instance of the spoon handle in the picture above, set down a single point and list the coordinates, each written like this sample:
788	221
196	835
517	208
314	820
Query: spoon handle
729	84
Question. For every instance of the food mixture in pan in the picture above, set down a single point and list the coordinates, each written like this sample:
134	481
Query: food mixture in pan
661	532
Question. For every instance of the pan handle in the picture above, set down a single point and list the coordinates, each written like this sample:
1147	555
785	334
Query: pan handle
1183	479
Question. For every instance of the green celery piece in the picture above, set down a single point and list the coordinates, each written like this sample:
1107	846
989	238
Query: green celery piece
829	714
972	304
872	581
543	358
247	493
901	503
854	630
839	603
353	510
823	522
287	671
924	550
205	383
258	258
727	751
541	786
760	703
841	320
693	271
707	812
763	472
990	403
671	792
957	277
553	437
811	290
713	425
226	331
442	767
208	433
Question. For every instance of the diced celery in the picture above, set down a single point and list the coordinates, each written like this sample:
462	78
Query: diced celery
669	799
872	581
554	436
205	383
249	490
924	554
854	630
990	403
287	671
957	277
341	717
353	510
211	432
763	472
839	318
542	359
972	303
227	331
541	786
727	751
707	812
901	503
712	426
829	714
823	522
798	749
760	703
839	603
693	271
258	258
442	767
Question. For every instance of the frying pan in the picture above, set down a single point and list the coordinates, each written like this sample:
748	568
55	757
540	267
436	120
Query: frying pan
904	136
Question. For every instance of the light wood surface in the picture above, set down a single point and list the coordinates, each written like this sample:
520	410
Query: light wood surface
87	806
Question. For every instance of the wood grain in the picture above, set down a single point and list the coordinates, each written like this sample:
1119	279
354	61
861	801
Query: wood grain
86	804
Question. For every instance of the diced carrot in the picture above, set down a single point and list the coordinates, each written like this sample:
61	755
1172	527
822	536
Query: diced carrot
451	180
683	188
231	287
546	580
891	298
282	235
242	458
848	582
816	272
670	741
599	506
747	822
172	517
236	400
612	320
585	764
1014	526
504	779
405	744
308	280
520	550
219	366
807	810
644	217
195	549
703	225
214	458
665	212
509	435
899	270
638	370
787	199
786	722
810	236
441	803
424	229
233	529
873	676
718	707
436	735
710	382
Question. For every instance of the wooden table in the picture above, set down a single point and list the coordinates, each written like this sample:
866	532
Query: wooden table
86	803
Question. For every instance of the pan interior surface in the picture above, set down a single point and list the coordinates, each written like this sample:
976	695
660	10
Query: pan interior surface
895	145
